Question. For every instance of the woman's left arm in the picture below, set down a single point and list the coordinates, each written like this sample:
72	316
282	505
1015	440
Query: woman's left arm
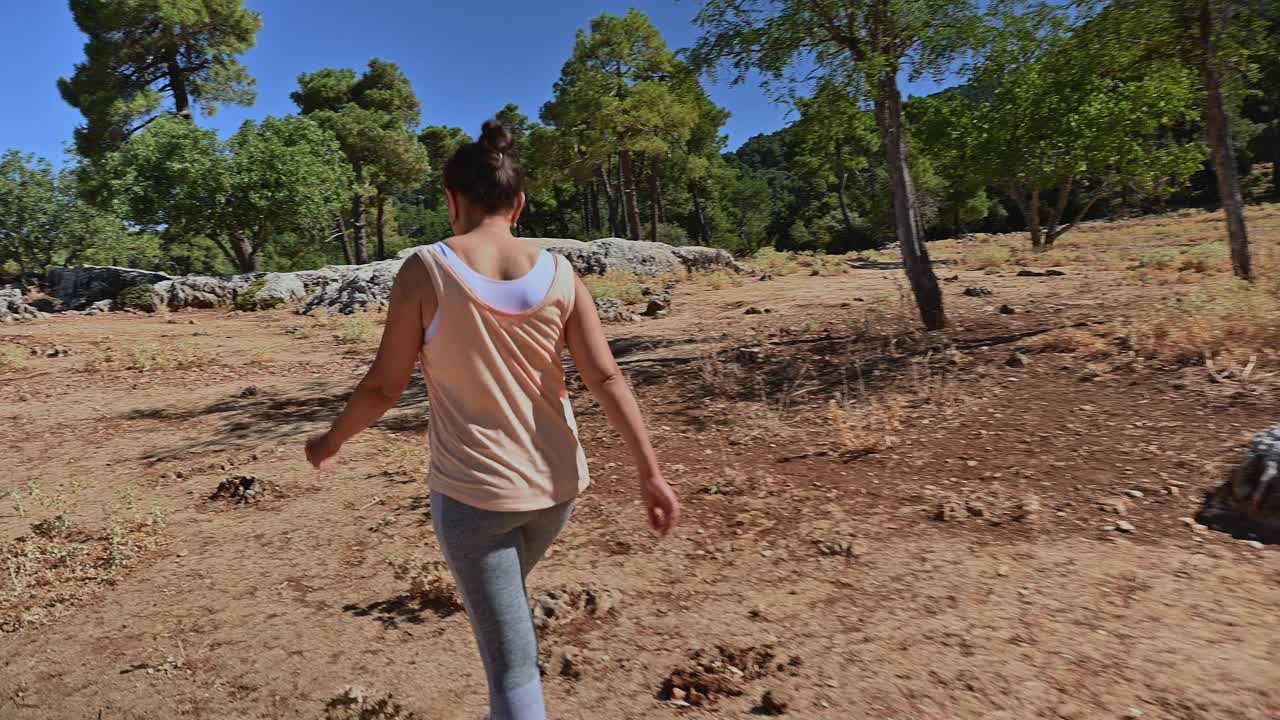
412	301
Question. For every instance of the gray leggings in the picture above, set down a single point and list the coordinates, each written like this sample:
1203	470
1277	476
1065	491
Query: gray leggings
490	554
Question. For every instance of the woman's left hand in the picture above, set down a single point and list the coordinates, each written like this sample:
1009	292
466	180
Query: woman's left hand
321	452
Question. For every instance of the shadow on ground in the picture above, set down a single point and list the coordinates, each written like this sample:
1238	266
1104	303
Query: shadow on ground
402	609
267	416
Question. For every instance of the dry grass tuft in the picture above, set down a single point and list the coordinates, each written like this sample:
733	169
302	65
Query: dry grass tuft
868	427
1083	342
12	357
150	356
624	286
1227	317
429	582
356	329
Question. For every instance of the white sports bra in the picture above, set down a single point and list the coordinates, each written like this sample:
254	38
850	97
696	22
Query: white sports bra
512	296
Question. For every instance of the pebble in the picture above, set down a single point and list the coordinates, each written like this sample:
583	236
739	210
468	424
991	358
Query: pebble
1133	493
757	310
774	702
1125	526
1017	360
1132	714
1254	544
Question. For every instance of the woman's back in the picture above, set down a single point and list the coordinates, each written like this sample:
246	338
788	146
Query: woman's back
503	435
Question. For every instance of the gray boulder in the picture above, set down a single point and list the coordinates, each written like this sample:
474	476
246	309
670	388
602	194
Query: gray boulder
612	310
282	288
14	307
79	287
704	258
200	291
367	285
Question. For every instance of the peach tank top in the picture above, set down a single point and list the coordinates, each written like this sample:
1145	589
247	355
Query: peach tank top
502	431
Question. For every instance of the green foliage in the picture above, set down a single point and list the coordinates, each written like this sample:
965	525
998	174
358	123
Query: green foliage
247	299
43	222
142	52
672	234
282	175
137	297
373	117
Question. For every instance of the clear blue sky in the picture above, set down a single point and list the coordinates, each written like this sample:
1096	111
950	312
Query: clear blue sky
465	59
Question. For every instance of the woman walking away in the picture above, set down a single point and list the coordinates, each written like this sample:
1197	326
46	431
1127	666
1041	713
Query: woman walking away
489	315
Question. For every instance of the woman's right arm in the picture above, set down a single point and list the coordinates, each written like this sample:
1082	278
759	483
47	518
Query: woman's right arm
590	350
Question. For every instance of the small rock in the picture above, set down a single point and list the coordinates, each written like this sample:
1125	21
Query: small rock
1132	714
1254	544
678	694
1030	273
757	310
1017	360
1116	506
1008	310
749	355
815	272
1054	273
978	291
658	306
566	662
23	397
763	278
1002	570
1133	493
774	702
251	391
1125	526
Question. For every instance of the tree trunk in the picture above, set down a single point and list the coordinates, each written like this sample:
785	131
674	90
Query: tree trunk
178	84
657	197
609	197
844	204
246	257
1059	209
654	203
1032	211
359	222
701	213
594	200
1218	126
381	229
1275	157
629	195
341	226
915	254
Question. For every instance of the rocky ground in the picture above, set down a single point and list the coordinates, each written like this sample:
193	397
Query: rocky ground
994	521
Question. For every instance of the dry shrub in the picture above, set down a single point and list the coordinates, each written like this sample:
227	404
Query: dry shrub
622	285
57	565
987	257
720	279
774	262
1228	317
869	427
149	356
1081	341
355	329
12	357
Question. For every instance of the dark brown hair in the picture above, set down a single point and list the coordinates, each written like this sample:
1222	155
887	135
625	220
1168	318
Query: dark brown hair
486	171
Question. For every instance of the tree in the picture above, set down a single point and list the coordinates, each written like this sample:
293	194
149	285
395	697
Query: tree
615	98
1083	115
1216	38
863	45
43	222
282	175
141	53
373	117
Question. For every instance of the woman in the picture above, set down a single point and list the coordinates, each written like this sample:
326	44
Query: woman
488	315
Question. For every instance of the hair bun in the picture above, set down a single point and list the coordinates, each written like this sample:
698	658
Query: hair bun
496	137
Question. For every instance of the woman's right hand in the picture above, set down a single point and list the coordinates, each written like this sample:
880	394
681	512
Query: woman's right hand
661	506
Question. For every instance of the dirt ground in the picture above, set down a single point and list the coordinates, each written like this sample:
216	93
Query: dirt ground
880	523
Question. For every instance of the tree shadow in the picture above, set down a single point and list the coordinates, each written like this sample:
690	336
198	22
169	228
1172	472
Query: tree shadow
267	416
403	609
